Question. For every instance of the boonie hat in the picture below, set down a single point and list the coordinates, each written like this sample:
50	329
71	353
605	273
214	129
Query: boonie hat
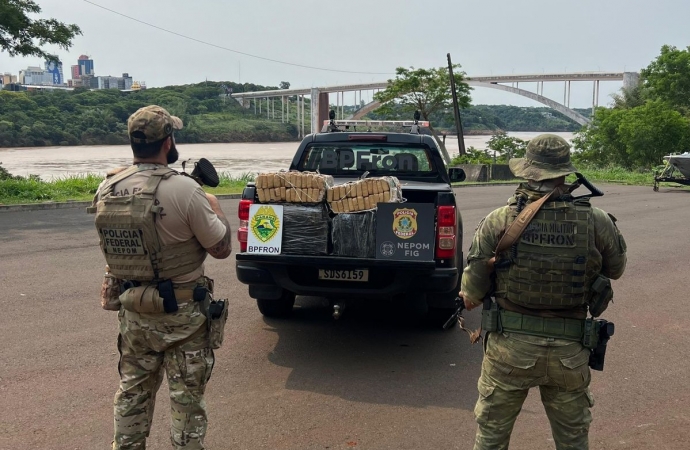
547	156
154	124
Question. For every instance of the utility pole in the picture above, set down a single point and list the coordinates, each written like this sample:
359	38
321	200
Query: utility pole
456	109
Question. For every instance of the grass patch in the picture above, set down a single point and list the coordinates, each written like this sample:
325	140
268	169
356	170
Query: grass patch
83	188
610	174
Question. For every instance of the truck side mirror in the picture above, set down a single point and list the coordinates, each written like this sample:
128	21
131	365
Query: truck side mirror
456	174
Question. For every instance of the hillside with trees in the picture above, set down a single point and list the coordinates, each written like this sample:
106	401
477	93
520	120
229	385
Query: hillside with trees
84	117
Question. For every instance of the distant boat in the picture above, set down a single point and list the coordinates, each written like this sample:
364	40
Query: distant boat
680	162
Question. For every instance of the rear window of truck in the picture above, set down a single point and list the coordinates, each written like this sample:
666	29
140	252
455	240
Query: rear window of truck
382	159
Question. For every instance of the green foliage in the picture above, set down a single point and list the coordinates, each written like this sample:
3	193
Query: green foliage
646	122
83	117
614	174
473	156
507	147
19	32
501	148
668	77
15	189
637	137
425	90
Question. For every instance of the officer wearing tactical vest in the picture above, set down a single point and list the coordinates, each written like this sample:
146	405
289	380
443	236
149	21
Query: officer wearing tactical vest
556	269
155	228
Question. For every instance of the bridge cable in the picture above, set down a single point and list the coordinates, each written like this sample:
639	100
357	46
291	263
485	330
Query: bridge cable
231	50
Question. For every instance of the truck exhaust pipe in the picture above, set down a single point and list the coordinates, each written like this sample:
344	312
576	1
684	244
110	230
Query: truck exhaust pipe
338	309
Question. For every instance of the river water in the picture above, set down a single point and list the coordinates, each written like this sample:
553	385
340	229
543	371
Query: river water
236	159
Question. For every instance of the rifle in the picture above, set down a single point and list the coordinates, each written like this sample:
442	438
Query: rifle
203	173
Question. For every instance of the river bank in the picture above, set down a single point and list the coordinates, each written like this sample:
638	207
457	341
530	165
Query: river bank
236	159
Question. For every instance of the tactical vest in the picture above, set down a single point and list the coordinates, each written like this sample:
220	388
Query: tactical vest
129	240
549	269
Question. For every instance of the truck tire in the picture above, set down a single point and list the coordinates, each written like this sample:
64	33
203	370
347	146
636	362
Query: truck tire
281	307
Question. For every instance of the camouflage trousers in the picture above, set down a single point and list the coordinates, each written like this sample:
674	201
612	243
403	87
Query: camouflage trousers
514	363
150	344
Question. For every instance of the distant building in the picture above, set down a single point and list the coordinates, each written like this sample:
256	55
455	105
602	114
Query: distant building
76	74
8	78
54	69
123	83
85	65
88	81
35	76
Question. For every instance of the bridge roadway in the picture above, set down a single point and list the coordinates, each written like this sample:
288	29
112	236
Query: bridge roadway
320	95
370	381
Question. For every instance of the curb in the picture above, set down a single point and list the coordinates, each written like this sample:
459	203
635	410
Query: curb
76	204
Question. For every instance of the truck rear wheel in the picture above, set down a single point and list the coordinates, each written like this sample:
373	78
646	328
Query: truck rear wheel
280	307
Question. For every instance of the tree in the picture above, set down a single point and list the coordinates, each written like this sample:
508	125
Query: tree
427	91
507	147
284	85
19	33
633	138
628	98
668	77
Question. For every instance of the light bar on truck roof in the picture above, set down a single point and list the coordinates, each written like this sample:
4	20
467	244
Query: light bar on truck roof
365	123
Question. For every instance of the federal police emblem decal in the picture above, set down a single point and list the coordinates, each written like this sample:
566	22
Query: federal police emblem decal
265	224
405	223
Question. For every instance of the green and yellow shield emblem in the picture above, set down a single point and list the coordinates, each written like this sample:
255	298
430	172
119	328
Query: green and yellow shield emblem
265	224
405	223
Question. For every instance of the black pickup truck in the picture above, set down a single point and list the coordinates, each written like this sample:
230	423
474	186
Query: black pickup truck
274	280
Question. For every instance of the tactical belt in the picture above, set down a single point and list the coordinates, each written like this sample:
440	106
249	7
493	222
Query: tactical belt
184	292
553	327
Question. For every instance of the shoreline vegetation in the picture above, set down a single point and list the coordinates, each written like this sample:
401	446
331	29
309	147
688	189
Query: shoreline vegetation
25	190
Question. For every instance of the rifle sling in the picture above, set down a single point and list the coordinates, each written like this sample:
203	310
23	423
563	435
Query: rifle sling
520	223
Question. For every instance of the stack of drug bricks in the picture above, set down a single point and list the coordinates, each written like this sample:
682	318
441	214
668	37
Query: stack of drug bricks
292	187
363	195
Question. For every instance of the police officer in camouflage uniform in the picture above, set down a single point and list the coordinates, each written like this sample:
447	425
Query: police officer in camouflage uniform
542	287
181	225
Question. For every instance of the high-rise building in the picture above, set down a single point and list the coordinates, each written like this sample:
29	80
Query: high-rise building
75	72
54	68
85	65
35	76
8	78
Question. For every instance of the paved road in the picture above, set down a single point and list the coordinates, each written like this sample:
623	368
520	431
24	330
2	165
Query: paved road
366	382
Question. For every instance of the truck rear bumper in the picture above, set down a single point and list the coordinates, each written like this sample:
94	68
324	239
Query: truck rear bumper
299	274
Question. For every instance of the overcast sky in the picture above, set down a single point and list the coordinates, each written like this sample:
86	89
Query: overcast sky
485	36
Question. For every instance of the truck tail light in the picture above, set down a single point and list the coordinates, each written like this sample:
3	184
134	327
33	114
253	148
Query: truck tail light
445	232
243	214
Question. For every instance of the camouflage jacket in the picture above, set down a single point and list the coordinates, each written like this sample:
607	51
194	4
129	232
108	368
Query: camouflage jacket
608	254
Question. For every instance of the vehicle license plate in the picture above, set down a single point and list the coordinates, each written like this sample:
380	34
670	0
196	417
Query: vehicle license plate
344	275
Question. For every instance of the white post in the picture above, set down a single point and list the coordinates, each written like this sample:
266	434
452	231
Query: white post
302	115
315	108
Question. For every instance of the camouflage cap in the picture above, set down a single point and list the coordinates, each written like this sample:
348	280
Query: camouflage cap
547	156
153	122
